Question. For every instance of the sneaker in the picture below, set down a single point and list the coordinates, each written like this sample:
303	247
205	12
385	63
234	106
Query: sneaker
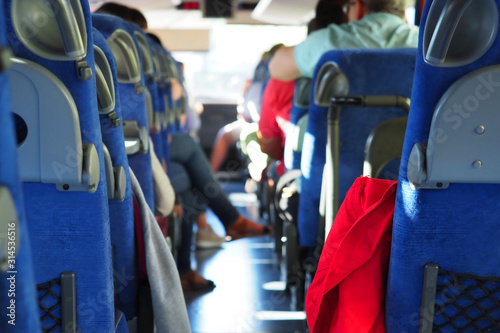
206	238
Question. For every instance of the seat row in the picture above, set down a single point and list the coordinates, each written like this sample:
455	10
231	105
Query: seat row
443	271
81	96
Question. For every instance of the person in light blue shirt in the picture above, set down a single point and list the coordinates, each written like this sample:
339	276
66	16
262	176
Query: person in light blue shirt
372	24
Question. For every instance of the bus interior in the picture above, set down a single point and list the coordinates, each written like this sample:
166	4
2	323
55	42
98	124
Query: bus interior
378	215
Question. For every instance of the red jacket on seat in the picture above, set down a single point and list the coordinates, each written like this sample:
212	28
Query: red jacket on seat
348	290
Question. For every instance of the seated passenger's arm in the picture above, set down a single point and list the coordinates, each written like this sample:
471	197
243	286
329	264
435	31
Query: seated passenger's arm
271	146
283	66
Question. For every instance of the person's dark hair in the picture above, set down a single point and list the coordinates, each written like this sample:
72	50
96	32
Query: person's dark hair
113	8
328	12
311	26
126	13
137	17
396	7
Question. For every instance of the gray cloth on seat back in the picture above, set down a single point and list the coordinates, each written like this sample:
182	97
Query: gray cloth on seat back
169	307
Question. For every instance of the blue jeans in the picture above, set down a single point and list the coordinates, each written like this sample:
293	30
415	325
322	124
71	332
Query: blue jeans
204	190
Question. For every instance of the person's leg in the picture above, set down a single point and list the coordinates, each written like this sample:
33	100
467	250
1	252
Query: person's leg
186	151
206	238
190	279
226	137
179	178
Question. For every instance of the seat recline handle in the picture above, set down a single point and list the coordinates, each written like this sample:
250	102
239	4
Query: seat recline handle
445	28
74	46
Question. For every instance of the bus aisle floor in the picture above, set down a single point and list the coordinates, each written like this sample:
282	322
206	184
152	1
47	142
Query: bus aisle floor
249	297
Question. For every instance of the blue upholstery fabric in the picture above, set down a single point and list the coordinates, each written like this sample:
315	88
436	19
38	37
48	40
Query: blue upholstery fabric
456	228
172	126
293	158
160	140
133	107
120	213
70	230
173	106
164	107
158	103
26	317
370	72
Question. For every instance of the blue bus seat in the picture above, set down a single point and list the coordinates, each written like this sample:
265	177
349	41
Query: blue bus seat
20	303
153	99
292	154
160	139
53	181
383	149
172	71
253	97
365	72
298	123
118	34
444	272
118	179
63	180
166	88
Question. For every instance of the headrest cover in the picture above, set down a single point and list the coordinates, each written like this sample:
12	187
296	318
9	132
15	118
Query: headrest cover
127	58
104	82
53	30
459	32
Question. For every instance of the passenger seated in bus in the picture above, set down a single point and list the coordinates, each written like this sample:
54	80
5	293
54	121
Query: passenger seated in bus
372	24
228	135
206	238
278	95
205	191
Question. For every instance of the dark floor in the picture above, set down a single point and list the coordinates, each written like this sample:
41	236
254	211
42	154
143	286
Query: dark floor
249	296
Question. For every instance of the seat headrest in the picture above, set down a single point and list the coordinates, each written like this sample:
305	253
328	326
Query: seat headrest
54	30
459	32
330	81
157	66
127	58
302	92
168	74
146	53
104	82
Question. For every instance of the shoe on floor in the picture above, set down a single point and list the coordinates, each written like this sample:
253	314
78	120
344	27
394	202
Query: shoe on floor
245	228
206	238
193	281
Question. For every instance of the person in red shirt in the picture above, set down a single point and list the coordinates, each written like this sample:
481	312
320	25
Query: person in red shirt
278	95
275	118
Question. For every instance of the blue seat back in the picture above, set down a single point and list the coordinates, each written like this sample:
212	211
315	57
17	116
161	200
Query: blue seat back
369	72
69	229
298	115
16	270
165	87
173	71
163	102
120	199
156	103
450	218
132	93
